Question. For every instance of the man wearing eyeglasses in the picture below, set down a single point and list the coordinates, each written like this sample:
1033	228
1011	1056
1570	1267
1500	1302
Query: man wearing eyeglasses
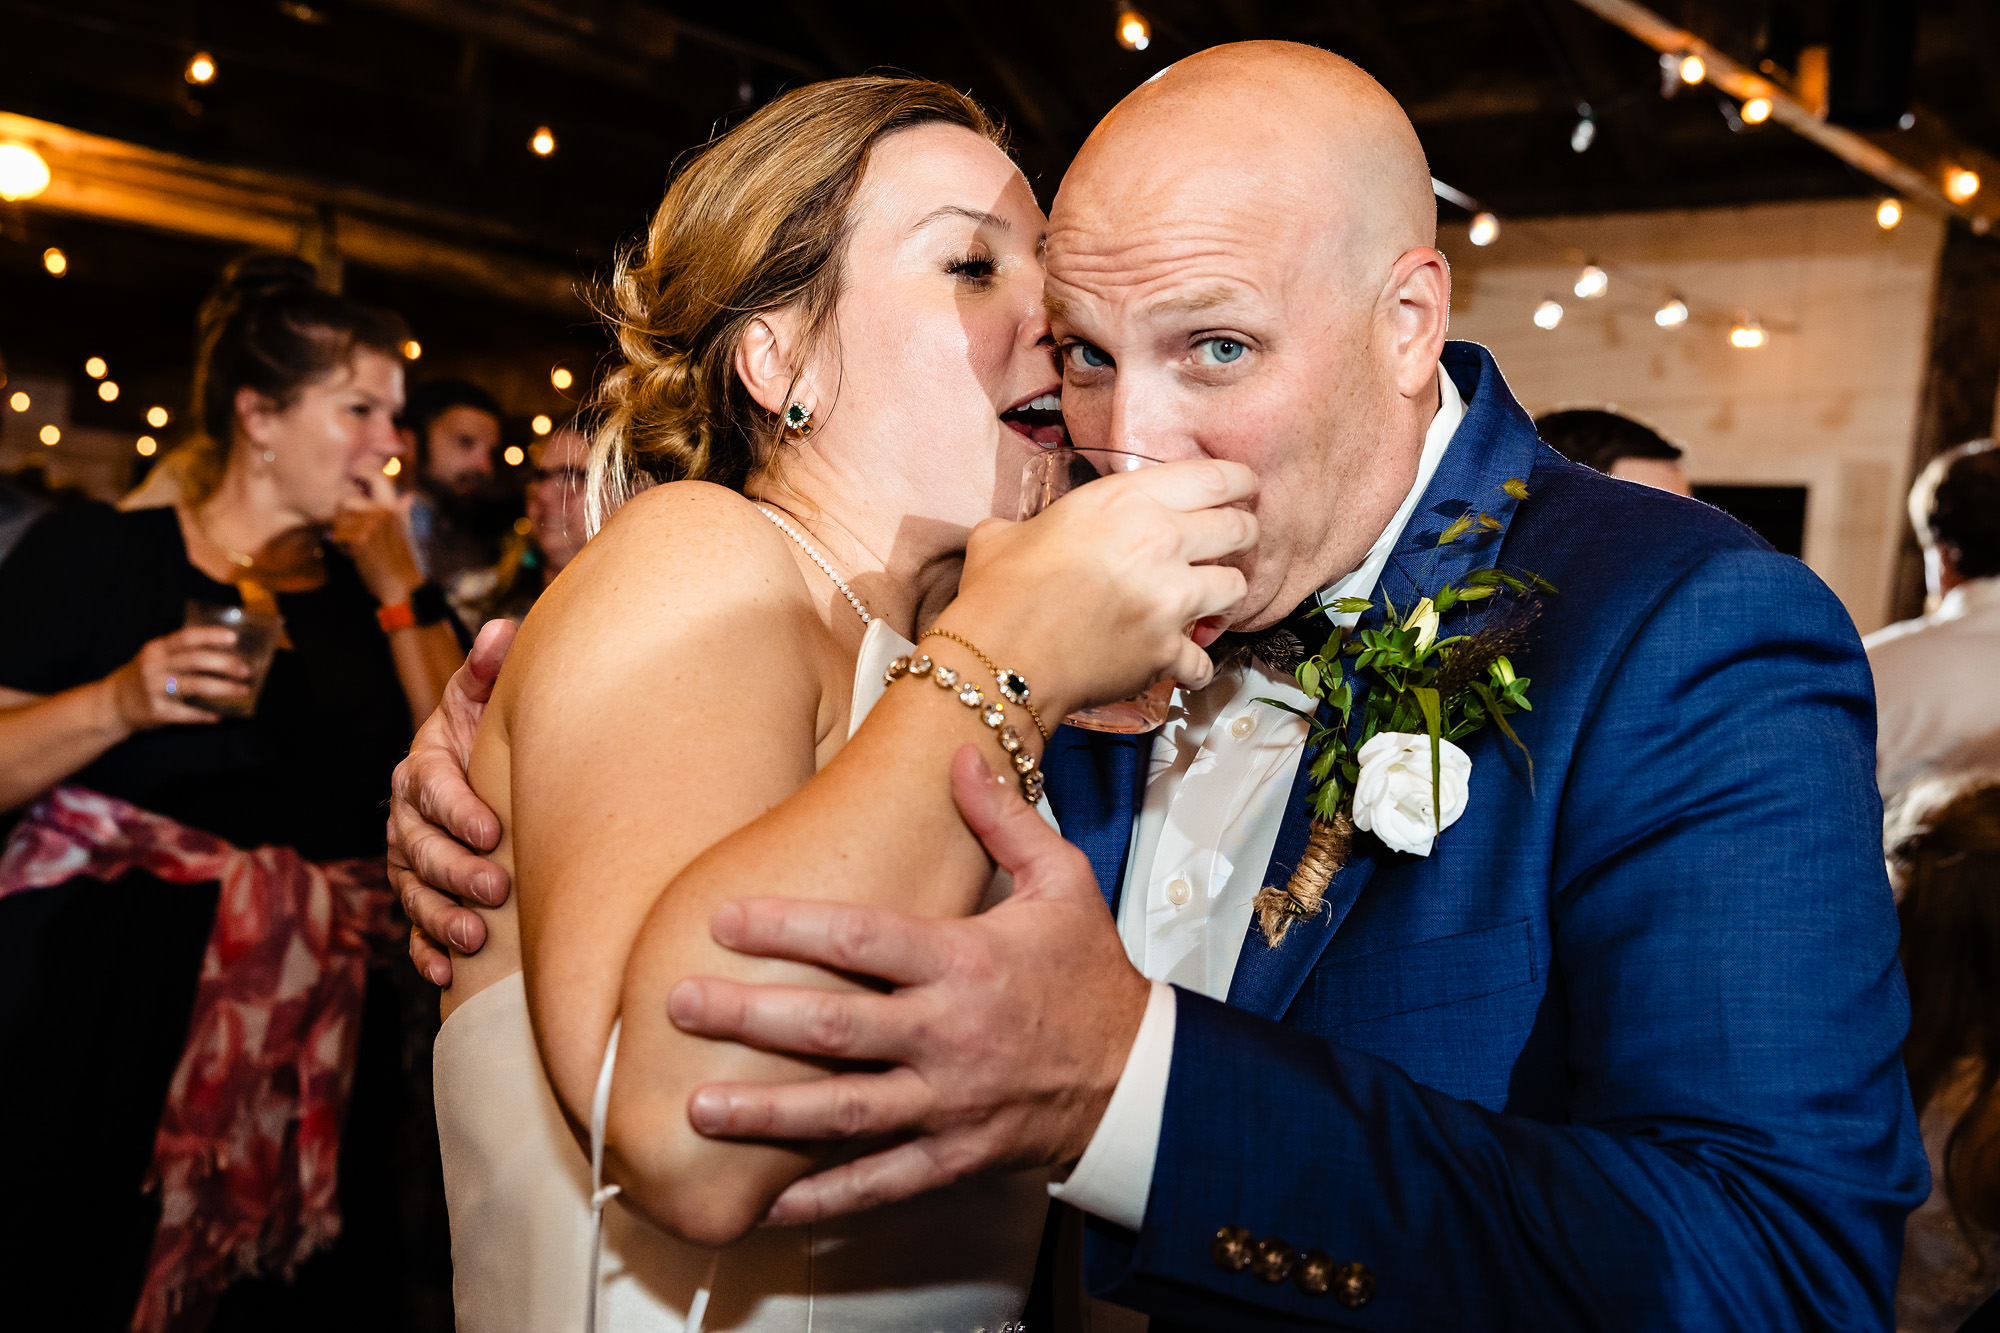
546	541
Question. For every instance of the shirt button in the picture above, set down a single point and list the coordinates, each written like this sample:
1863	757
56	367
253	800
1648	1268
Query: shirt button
1179	891
1242	726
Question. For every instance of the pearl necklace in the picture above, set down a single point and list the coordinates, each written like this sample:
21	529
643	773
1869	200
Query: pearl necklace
820	560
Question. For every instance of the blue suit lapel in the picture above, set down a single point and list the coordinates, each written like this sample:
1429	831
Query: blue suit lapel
1496	441
1094	780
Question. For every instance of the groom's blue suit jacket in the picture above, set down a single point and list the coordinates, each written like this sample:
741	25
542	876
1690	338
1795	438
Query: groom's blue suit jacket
1624	1052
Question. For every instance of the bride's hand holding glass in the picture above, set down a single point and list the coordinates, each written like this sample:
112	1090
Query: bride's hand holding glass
1094	598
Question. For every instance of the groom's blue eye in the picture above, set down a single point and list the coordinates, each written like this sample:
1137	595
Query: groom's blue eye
1219	351
1088	357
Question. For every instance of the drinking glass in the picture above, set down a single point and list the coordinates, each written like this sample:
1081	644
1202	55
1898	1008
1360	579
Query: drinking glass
1048	477
257	635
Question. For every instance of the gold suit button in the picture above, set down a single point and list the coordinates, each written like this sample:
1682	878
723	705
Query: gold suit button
1314	1275
1353	1286
1272	1261
1231	1249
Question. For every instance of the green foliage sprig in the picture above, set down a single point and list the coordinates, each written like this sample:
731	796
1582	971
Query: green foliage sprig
1420	682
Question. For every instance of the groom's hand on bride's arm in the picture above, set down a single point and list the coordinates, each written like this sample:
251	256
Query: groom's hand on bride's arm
436	822
1005	1033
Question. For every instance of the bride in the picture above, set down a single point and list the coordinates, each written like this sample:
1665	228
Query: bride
835	354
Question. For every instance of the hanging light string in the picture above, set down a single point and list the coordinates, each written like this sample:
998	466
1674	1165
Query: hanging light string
1599	284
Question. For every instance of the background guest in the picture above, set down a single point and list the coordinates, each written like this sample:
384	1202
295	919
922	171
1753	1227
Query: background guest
1616	445
1944	857
1937	677
179	1059
20	506
453	428
530	561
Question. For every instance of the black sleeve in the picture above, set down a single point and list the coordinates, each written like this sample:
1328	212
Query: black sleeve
55	588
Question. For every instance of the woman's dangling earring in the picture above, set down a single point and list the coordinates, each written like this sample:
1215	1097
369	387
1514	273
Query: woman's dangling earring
270	457
798	420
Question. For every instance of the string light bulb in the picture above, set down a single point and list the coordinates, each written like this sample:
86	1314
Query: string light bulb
1134	33
1485	229
1748	334
147	446
412	349
1592	282
108	391
1692	69
1756	110
1888	213
1673	313
156	417
543	142
1548	314
50	435
1960	184
200	68
561	378
541	425
95	367
515	455
1585	132
20	401
23	172
55	261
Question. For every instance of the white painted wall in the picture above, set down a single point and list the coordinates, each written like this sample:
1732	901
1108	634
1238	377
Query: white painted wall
1830	403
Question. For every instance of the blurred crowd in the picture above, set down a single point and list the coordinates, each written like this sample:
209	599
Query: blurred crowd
364	528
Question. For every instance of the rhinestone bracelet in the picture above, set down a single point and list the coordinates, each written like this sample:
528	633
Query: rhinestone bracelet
991	712
1013	685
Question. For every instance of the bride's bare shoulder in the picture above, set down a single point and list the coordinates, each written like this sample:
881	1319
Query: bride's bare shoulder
683	567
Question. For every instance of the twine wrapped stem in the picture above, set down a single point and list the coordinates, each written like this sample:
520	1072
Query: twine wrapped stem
1326	852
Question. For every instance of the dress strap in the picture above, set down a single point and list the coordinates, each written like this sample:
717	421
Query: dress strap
602	1194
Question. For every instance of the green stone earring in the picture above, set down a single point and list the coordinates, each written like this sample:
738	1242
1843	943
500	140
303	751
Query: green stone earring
799	420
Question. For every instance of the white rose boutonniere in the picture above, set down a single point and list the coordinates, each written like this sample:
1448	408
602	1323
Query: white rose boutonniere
1392	796
1391	701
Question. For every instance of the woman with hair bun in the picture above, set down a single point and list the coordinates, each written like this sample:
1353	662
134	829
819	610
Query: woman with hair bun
836	362
194	1024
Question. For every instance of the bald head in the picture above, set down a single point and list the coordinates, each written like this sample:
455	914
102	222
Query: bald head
1241	265
1287	134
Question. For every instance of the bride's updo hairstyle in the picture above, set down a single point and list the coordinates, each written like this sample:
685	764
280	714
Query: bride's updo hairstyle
757	221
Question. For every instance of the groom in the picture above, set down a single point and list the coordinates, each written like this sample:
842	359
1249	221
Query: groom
1621	1052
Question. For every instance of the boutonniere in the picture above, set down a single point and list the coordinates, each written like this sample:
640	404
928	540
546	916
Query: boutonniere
1400	774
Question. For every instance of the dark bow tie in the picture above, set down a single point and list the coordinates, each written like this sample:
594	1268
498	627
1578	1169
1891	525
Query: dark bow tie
1281	646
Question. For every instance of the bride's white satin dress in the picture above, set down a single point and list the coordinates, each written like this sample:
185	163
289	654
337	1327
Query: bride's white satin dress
518	1188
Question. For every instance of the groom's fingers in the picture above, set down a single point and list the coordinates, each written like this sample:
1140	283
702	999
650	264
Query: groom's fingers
847	937
845	1106
890	1176
798	1020
1014	834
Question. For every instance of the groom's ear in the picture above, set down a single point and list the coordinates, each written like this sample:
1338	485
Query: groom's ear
767	361
1419	311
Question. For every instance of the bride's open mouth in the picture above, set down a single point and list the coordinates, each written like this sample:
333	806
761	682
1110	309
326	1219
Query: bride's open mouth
1039	419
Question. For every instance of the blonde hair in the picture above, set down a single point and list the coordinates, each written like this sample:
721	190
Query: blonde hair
757	221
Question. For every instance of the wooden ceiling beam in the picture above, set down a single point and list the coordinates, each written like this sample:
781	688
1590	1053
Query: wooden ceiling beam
1868	153
114	181
618	39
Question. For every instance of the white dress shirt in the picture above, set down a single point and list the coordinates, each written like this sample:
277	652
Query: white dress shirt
1220	778
1935	683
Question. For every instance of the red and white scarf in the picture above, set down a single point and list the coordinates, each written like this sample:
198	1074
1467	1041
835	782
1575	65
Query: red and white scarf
246	1155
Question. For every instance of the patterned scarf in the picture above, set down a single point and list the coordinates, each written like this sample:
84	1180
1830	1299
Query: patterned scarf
245	1158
